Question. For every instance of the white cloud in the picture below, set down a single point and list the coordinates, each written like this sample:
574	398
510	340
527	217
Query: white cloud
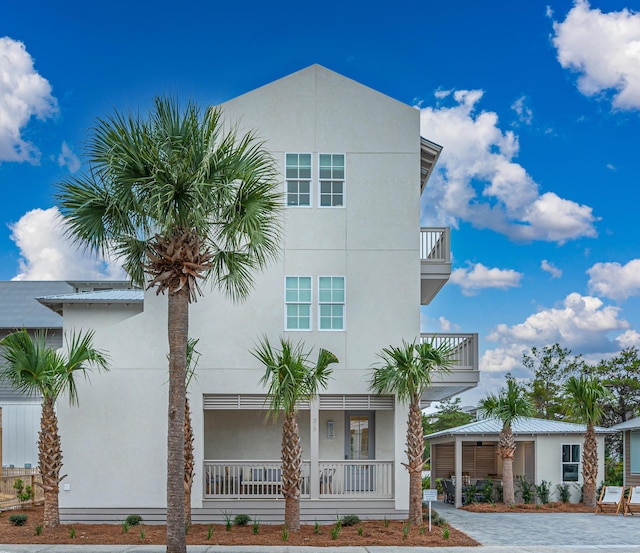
523	111
615	281
611	167
582	324
440	324
23	95
47	255
550	268
68	158
476	277
477	180
628	339
604	49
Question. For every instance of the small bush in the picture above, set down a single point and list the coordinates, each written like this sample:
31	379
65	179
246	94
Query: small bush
72	533
360	530
563	492
405	530
445	533
316	527
133	520
18	519
350	520
23	493
543	491
285	534
242	520
335	531
526	489
125	527
39	530
256	526
209	531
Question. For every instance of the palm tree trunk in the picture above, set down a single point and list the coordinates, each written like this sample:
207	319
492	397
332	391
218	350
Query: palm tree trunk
291	462
507	450
178	327
415	454
188	462
590	466
50	462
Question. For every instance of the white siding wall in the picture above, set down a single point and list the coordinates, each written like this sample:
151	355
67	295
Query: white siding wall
20	427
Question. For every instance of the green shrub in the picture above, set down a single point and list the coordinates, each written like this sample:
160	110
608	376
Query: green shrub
526	489
133	520
18	519
242	520
350	520
39	530
23	493
543	491
563	492
426	483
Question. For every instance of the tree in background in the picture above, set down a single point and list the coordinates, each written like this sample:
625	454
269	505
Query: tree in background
508	405
550	366
407	372
292	378
34	368
448	415
585	397
178	198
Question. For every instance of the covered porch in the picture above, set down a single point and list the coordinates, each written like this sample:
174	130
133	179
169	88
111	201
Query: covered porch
348	449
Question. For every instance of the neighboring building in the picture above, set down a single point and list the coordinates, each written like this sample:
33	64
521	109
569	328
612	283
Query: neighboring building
546	450
355	268
630	450
20	309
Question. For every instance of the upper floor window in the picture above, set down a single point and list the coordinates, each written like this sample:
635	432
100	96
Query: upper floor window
570	462
331	299
298	179
297	303
331	180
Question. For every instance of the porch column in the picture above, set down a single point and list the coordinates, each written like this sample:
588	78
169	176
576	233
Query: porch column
458	471
314	448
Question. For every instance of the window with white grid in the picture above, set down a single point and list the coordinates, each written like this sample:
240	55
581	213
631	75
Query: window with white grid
297	303
331	300
331	180
298	180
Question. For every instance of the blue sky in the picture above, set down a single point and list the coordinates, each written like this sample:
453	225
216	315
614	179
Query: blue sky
537	106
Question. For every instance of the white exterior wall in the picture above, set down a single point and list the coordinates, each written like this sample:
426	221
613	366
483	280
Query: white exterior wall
549	461
373	241
20	427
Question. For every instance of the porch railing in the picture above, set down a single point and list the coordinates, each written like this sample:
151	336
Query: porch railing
435	244
236	479
465	348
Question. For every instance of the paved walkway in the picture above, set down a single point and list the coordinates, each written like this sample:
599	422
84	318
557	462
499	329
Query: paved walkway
497	532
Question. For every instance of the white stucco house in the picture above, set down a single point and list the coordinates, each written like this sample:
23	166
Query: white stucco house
355	268
630	450
545	450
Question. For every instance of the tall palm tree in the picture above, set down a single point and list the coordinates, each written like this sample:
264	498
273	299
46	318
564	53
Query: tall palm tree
179	198
292	378
407	371
508	405
584	400
35	368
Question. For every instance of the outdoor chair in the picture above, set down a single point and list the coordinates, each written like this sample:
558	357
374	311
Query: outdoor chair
448	491
632	502
610	496
326	480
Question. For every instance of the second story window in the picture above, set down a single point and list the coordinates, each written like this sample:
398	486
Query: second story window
331	180
298	180
331	302
297	303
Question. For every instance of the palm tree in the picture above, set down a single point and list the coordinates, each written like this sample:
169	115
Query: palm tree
508	405
178	198
33	367
584	399
407	371
291	378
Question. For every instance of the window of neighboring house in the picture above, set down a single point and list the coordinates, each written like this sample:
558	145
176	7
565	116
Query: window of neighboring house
331	179
634	452
331	303
298	179
297	303
570	462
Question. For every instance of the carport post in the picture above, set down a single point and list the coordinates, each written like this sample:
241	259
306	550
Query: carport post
458	471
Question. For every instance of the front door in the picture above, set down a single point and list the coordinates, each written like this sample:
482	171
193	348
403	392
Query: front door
359	446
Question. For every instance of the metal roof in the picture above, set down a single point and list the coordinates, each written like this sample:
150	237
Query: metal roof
20	309
631	424
525	425
56	301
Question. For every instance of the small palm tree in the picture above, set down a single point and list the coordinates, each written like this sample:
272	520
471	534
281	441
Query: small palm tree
407	371
189	460
178	199
34	368
508	405
292	378
584	399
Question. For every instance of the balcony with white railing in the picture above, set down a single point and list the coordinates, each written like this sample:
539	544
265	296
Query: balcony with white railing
464	373
435	261
255	479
